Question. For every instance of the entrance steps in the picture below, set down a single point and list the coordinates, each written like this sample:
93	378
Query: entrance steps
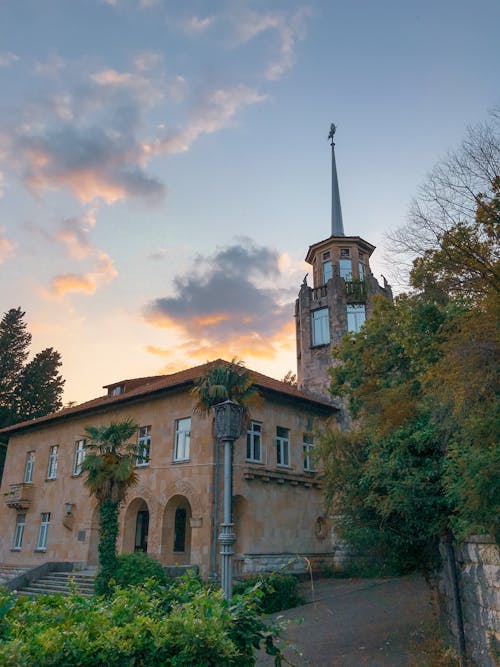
60	582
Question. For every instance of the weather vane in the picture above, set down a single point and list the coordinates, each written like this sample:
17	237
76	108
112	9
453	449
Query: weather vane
332	131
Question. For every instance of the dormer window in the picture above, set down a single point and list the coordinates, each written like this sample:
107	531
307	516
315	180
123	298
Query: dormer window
116	391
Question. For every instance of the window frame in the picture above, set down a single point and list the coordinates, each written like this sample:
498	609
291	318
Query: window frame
353	314
183	435
143	446
17	538
29	467
327	263
307	449
253	435
52	464
78	457
345	268
320	334
43	532
283	447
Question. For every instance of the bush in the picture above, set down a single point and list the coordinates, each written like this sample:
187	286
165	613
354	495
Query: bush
277	591
135	569
184	625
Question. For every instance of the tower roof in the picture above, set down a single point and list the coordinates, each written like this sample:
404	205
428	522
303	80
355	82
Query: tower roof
335	240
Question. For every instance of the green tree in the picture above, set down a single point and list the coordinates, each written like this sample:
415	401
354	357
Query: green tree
225	381
40	385
14	348
109	466
383	478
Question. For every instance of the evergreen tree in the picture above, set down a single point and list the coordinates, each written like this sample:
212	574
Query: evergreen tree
40	386
14	344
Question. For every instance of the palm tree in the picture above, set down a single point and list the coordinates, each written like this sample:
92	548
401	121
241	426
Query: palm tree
109	465
225	381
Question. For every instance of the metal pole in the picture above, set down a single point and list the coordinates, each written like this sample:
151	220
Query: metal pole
227	537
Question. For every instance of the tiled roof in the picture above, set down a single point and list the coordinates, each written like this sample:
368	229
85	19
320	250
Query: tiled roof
159	383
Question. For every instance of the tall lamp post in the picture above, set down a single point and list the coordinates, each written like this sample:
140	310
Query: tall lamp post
228	427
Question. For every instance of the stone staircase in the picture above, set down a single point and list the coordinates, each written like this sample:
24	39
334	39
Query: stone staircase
59	582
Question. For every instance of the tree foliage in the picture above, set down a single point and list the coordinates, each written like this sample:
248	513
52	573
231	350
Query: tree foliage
421	378
109	466
222	382
27	389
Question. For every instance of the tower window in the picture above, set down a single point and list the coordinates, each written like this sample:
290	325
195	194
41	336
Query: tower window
356	316
345	266
327	271
320	327
361	270
326	255
345	252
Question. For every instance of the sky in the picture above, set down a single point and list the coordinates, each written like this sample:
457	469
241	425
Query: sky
164	164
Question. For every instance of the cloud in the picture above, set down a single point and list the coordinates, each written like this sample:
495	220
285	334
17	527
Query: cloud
7	59
216	112
74	234
86	283
289	30
6	246
195	24
90	162
229	302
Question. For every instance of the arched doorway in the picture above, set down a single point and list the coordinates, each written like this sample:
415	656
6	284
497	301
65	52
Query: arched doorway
176	533
136	527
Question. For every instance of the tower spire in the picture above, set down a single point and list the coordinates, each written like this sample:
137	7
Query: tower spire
337	224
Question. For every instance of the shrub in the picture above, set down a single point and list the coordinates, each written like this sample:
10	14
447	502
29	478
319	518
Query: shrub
277	591
184	625
136	568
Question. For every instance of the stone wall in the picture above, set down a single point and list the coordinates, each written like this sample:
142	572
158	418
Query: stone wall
478	568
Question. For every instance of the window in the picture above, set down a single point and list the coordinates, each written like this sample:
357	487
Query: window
180	522
182	439
327	271
143	446
28	468
307	447
282	446
356	315
254	442
44	531
52	467
78	456
361	267
326	255
116	391
345	252
320	327
345	266
17	542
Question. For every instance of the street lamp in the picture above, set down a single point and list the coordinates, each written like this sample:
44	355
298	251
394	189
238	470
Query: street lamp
228	427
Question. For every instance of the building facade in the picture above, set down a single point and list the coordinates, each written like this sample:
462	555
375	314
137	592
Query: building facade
175	511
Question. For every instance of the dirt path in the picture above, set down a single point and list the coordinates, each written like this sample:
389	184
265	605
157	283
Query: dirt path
358	623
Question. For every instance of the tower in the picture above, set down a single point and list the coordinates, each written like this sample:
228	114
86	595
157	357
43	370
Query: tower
340	299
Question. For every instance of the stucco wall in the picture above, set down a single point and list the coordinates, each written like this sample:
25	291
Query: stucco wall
478	565
275	509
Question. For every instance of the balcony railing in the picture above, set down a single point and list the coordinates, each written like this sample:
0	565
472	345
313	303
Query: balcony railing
19	496
318	292
355	290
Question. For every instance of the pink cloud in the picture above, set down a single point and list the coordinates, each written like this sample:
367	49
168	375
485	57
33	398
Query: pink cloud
86	283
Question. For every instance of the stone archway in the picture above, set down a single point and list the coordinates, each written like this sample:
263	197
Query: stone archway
176	532
136	526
